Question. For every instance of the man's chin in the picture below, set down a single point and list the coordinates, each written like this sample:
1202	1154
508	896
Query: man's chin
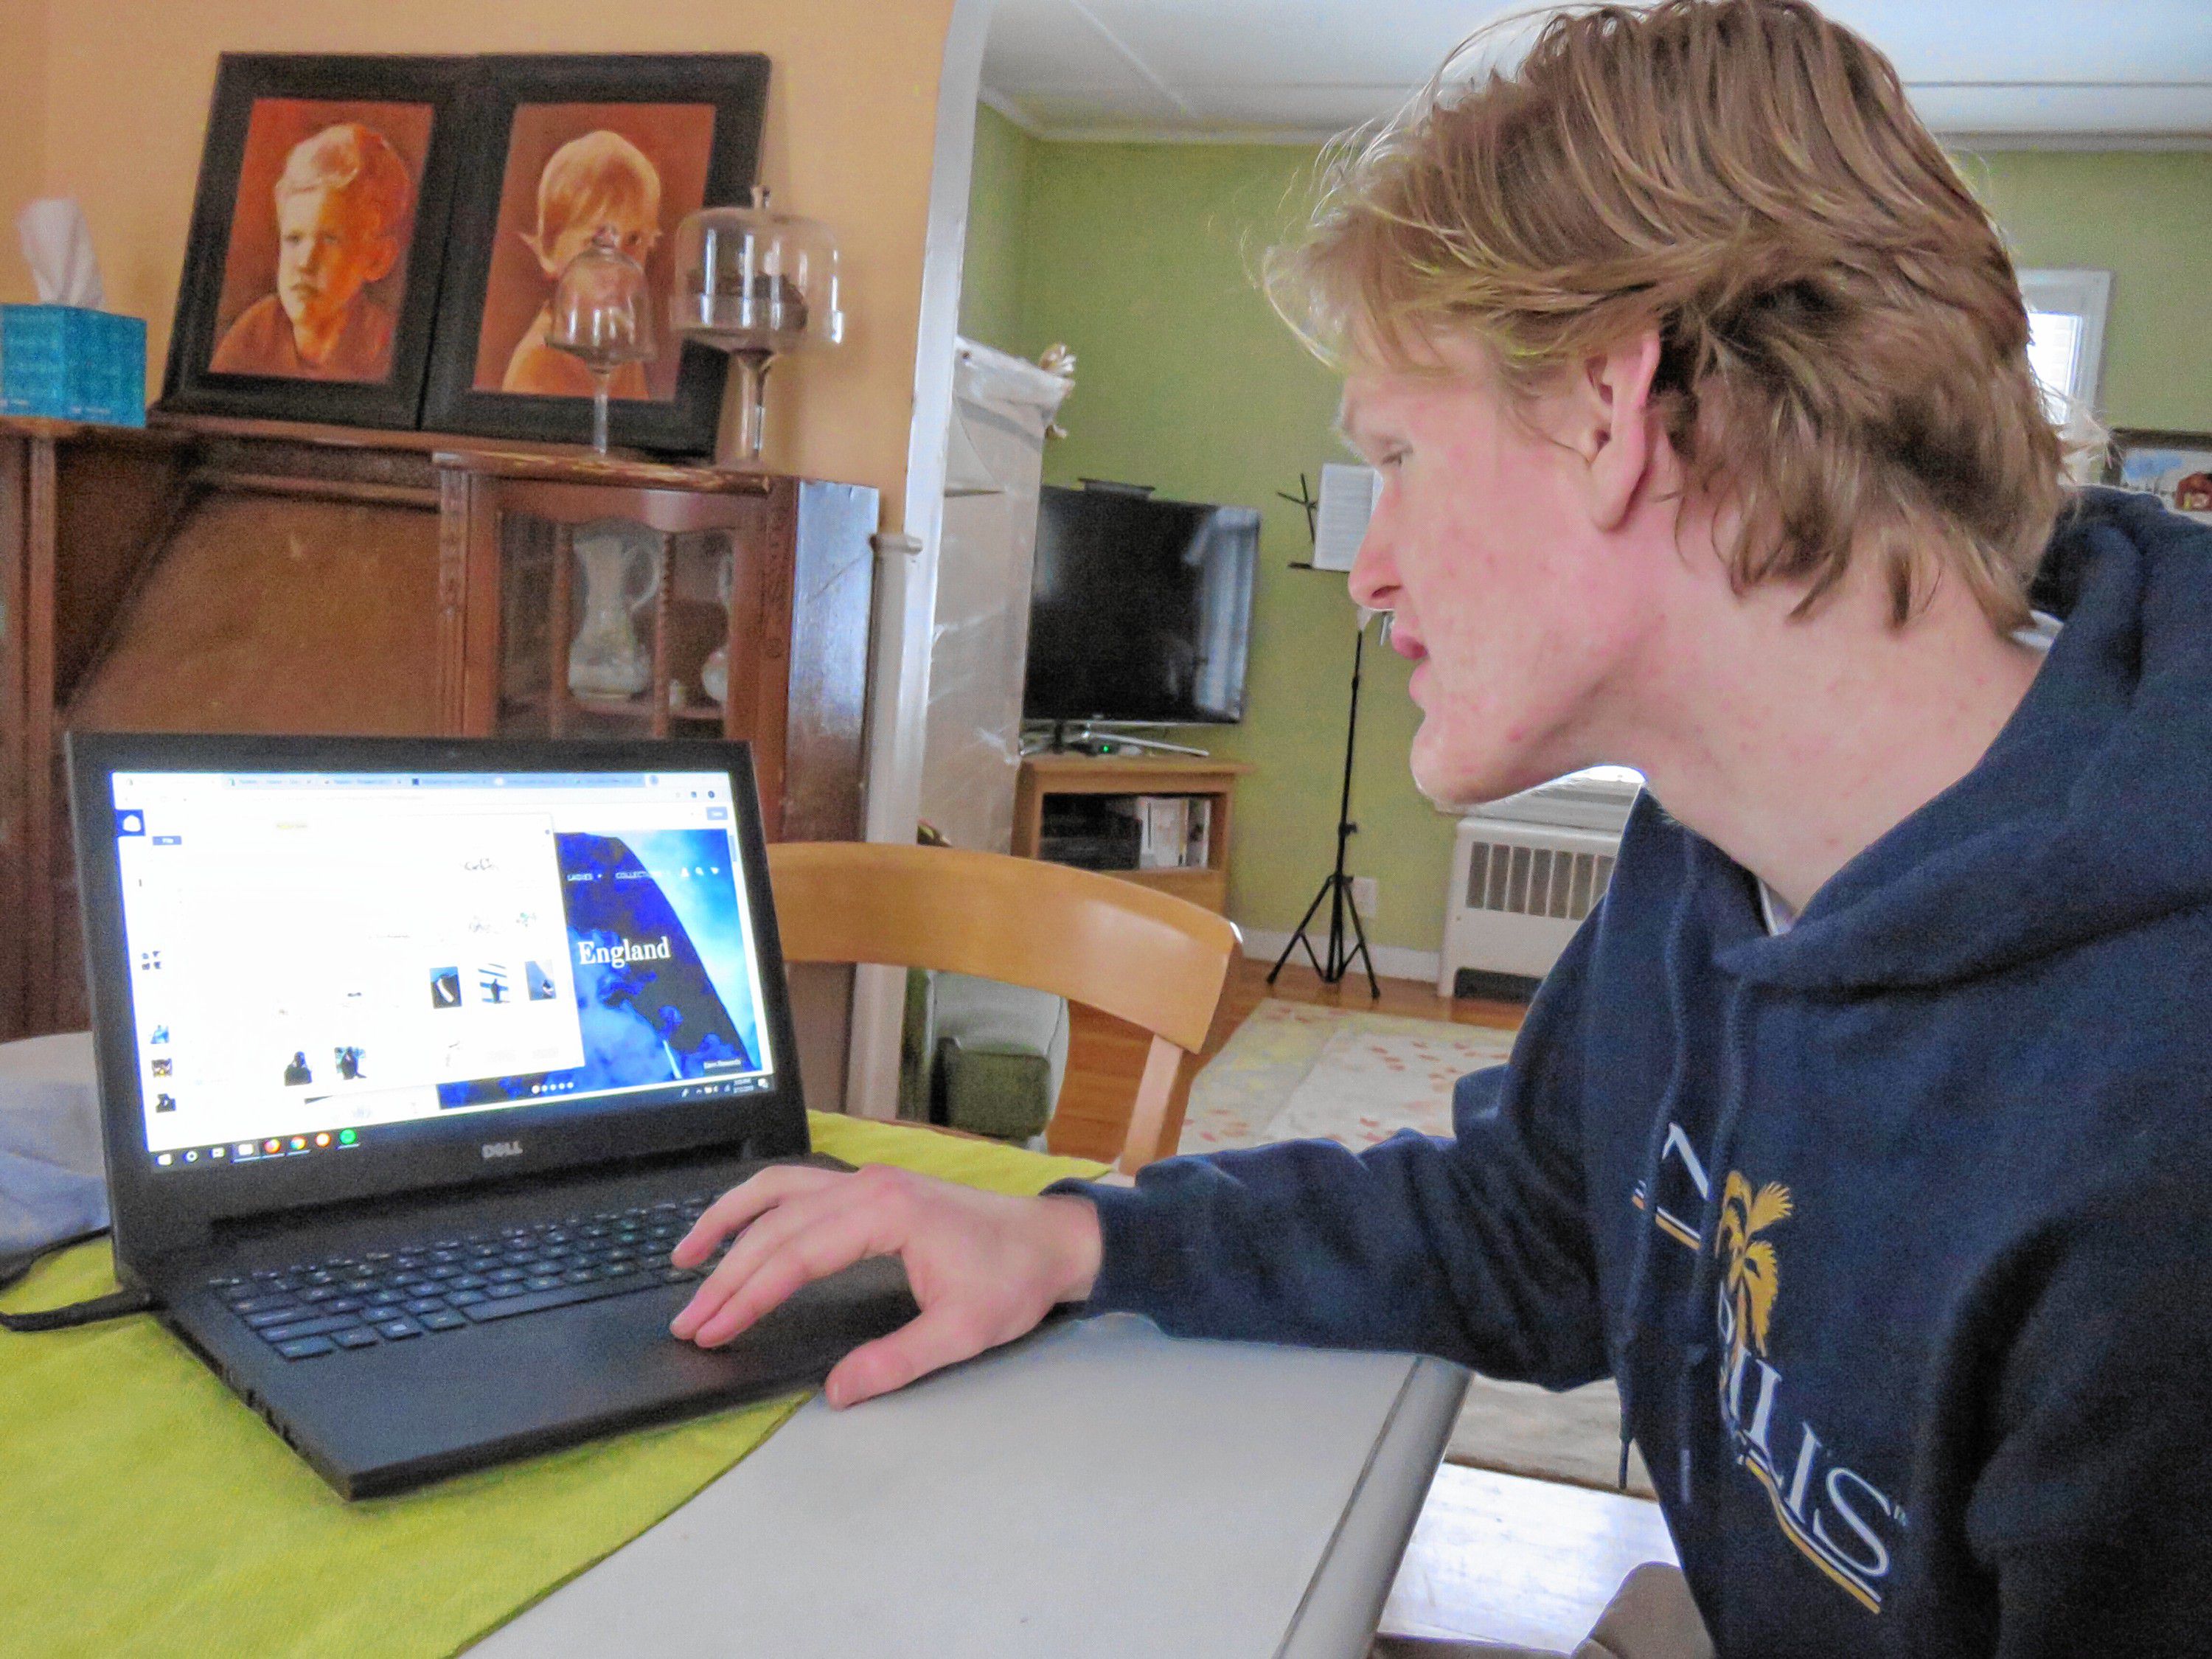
1448	788
1460	784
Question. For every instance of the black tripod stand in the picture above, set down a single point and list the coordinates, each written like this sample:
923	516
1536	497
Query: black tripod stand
1336	887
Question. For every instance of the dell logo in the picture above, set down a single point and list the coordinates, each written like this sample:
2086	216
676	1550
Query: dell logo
502	1149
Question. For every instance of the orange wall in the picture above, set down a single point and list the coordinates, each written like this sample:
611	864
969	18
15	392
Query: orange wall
23	136
851	128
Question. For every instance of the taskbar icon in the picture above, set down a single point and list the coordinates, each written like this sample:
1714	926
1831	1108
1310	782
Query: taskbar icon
259	1152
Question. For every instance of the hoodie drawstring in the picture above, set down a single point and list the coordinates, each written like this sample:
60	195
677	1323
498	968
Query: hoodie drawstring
1639	1266
1735	1095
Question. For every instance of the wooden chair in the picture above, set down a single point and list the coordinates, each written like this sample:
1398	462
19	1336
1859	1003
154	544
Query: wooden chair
1156	961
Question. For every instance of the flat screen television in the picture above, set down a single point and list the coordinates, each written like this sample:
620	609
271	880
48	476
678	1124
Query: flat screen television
1141	610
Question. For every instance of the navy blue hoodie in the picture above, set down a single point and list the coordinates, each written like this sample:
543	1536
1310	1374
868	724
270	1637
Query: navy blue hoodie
1895	1228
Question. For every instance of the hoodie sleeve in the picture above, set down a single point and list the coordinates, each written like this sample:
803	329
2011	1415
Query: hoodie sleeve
2092	1507
1476	1248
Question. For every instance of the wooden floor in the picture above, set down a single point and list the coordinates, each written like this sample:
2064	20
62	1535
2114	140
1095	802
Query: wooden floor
1529	1563
1106	1056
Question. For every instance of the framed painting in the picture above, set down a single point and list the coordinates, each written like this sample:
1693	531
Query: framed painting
2174	466
319	235
569	151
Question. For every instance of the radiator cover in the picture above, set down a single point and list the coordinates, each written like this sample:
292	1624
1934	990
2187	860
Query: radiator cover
1518	893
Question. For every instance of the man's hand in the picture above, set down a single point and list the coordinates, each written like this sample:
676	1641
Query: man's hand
985	1268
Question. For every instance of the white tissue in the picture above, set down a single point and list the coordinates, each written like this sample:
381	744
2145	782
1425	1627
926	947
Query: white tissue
57	243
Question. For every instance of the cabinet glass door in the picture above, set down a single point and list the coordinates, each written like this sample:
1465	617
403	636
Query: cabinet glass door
612	629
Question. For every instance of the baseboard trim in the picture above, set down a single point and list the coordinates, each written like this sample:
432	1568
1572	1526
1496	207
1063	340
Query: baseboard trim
1391	961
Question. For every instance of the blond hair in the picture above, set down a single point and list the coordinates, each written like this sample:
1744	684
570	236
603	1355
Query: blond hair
355	161
589	177
1844	348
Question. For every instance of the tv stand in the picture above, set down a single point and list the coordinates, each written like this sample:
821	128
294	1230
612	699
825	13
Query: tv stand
1081	739
1135	774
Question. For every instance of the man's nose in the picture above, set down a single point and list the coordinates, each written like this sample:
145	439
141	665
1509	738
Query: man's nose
1374	576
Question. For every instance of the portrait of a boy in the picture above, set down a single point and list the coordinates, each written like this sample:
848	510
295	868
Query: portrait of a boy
341	204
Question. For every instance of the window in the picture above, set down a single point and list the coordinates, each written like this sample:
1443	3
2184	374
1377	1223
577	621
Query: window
1597	798
2066	348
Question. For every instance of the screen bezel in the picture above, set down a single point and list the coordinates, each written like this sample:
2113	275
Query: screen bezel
157	1211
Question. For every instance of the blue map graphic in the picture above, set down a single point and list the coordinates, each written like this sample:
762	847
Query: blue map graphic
657	946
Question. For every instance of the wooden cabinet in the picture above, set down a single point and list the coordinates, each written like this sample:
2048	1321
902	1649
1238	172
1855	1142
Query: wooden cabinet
1043	776
211	575
738	604
76	505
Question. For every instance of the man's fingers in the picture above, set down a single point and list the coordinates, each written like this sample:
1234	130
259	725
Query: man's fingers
943	1335
812	1252
753	1246
743	1203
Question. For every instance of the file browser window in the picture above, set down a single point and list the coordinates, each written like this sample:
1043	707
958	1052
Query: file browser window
315	955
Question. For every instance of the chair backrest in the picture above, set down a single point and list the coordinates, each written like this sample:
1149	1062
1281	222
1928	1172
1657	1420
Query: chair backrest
1153	960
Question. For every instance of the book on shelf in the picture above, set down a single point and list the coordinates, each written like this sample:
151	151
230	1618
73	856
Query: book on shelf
1198	843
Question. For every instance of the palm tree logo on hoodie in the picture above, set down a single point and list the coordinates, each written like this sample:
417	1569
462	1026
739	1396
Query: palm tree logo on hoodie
1753	1273
1831	1514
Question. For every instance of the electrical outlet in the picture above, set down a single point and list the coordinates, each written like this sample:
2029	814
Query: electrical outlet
1366	895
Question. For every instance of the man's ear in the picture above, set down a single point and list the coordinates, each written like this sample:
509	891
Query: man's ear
1614	434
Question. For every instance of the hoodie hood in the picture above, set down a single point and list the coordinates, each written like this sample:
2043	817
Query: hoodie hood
2090	814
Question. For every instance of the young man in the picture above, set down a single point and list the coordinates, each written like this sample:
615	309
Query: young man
1863	1132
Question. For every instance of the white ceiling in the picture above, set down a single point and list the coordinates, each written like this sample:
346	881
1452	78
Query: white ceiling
2075	72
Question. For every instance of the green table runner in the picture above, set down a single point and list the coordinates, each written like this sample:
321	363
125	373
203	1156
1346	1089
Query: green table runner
144	1510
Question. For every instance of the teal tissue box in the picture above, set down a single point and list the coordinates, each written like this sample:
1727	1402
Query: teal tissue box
73	364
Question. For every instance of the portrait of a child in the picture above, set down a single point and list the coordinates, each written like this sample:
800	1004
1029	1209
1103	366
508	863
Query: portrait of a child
341	204
620	174
599	187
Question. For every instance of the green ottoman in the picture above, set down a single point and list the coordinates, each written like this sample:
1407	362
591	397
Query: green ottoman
981	1056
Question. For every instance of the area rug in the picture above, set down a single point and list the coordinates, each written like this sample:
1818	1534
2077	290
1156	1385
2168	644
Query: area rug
1294	1071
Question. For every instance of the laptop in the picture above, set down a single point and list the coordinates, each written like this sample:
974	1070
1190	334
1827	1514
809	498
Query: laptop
417	1056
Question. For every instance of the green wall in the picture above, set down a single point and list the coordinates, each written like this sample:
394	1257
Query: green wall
1139	256
2147	219
991	268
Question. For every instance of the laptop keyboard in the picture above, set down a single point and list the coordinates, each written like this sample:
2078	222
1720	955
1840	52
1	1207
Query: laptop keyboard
459	1279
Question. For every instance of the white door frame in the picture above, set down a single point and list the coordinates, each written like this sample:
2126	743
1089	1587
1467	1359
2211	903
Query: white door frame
906	565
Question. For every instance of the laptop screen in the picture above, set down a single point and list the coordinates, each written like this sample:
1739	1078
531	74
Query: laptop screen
319	960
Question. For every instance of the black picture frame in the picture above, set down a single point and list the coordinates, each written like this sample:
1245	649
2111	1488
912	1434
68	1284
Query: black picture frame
735	84
189	384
